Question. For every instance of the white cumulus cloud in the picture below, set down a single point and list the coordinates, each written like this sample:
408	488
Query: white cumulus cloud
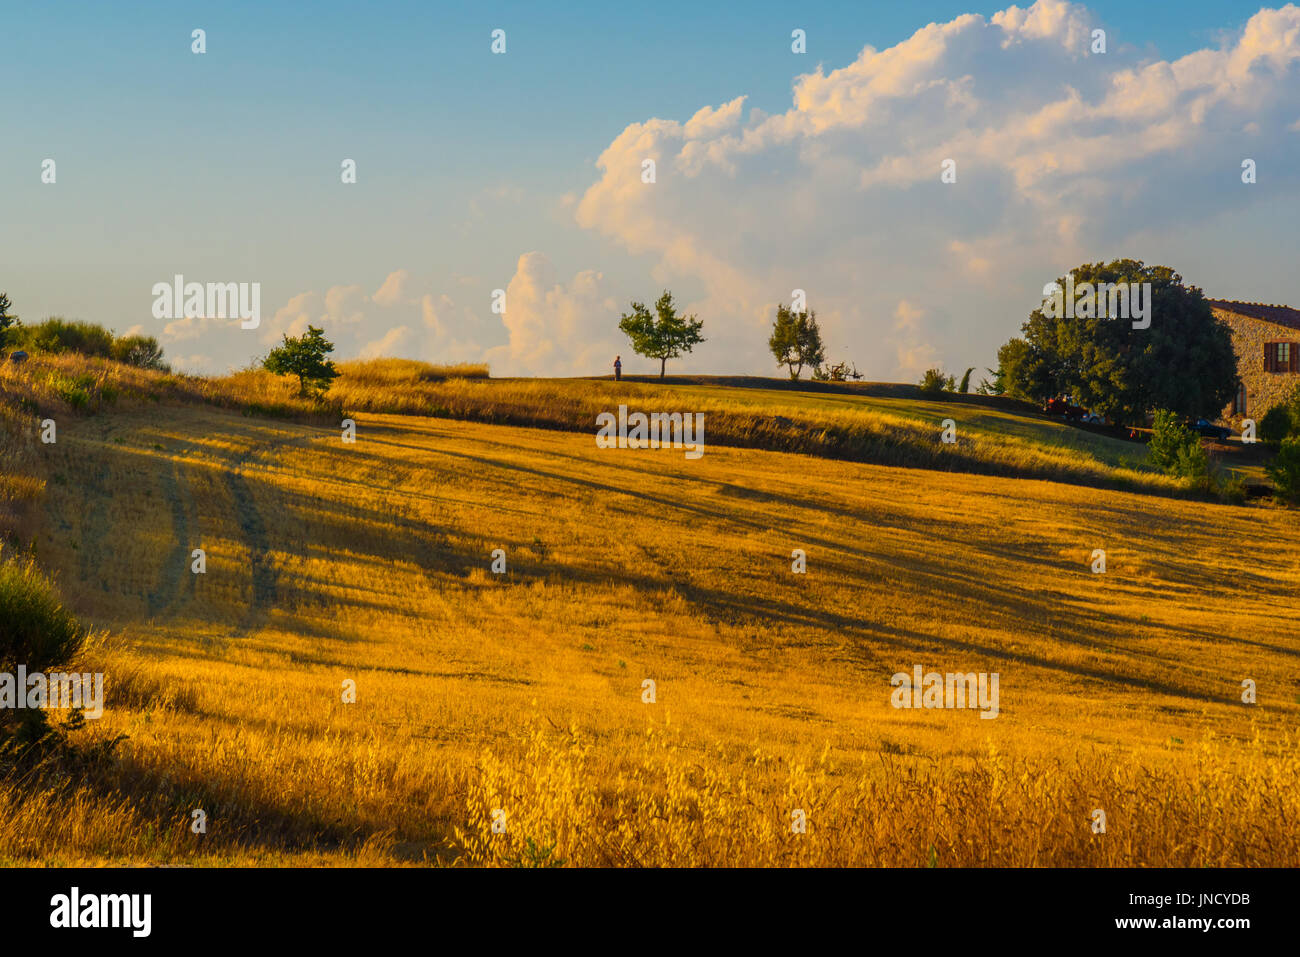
1062	156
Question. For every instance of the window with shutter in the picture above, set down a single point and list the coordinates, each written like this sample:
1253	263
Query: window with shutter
1281	357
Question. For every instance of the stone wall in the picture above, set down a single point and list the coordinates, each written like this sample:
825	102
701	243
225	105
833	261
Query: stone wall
1263	389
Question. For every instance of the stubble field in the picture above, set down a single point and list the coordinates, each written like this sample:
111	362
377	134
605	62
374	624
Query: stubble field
519	697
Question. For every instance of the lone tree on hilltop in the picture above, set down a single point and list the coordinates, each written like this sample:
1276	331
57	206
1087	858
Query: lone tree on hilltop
304	357
7	319
796	341
1182	360
666	337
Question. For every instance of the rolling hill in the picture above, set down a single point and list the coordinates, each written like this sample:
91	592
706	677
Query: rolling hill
521	697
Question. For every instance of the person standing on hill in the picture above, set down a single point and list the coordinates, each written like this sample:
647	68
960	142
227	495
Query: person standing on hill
618	368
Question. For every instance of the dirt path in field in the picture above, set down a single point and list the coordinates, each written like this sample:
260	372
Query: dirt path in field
253	530
176	566
91	459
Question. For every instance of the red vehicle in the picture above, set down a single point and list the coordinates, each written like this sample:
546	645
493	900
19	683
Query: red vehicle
1064	408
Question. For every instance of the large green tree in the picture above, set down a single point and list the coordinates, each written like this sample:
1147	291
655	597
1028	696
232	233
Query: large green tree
1025	372
796	340
304	357
1182	360
662	336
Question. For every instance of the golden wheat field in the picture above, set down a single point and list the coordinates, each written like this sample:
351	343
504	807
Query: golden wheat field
519	698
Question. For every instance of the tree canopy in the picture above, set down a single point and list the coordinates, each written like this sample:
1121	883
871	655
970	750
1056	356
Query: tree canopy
796	340
1182	361
304	357
663	336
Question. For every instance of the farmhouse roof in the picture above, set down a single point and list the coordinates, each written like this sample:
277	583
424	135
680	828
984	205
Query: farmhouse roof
1279	315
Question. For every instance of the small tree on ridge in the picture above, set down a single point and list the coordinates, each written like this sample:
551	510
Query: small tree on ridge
666	337
796	341
304	357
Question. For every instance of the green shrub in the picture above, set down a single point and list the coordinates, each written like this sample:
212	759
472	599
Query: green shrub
141	351
1194	464
1169	437
1276	425
934	382
39	633
1177	450
74	390
7	319
1284	470
1232	490
57	335
36	630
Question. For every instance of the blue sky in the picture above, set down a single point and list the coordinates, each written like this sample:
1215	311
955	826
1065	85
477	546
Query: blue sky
478	172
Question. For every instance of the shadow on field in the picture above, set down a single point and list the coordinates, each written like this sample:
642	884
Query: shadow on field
962	578
289	531
237	823
316	526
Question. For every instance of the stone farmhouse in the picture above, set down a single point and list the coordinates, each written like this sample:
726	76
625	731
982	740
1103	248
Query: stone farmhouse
1267	342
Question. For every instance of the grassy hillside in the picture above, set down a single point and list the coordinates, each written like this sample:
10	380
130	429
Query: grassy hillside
329	562
879	423
882	424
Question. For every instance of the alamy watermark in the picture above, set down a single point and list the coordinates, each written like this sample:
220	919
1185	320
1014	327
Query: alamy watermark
923	689
75	909
214	300
1103	300
55	690
678	430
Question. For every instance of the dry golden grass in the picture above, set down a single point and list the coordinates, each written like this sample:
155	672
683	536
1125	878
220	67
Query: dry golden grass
855	427
834	426
370	562
670	806
400	373
65	386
